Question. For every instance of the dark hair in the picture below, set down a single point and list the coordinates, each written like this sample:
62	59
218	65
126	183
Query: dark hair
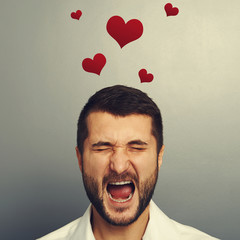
120	100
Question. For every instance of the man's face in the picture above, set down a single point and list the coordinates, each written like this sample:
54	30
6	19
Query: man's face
120	165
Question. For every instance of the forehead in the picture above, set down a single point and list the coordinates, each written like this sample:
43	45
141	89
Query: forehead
106	125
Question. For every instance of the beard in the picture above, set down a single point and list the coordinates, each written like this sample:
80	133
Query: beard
145	190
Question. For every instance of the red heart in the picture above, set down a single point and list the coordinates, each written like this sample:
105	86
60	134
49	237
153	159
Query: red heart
144	76
124	33
76	15
170	10
96	65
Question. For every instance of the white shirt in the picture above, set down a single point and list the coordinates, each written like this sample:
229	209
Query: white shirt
159	227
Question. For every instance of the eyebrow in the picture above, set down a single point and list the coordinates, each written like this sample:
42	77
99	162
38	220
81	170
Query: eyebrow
108	144
100	143
137	142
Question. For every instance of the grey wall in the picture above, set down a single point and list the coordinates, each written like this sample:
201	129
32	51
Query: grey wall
195	61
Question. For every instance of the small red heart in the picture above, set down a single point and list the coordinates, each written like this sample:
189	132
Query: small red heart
170	10
122	32
144	76
96	65
76	15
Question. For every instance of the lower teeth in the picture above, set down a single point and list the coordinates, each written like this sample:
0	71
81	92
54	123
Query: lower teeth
120	200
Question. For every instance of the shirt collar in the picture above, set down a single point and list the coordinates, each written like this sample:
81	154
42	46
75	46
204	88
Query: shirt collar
84	228
159	226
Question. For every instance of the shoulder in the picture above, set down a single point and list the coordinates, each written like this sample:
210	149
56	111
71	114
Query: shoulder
63	232
172	228
72	230
190	233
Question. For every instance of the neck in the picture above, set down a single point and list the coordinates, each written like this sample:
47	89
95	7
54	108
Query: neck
102	230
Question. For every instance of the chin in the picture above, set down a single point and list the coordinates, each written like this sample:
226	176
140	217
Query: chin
121	213
121	216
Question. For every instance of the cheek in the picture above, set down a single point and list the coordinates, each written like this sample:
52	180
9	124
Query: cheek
95	165
145	165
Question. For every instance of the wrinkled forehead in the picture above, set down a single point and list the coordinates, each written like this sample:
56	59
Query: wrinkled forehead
100	117
103	124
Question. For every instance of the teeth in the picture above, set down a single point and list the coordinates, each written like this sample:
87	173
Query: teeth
120	183
120	200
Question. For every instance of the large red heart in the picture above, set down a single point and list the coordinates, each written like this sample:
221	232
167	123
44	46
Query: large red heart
76	15
96	65
170	10
144	76
124	33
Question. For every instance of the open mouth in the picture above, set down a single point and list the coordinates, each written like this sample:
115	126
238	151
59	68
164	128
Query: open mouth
120	191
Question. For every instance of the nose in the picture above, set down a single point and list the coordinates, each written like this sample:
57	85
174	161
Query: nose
120	161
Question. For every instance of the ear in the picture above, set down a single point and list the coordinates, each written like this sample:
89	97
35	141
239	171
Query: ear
160	157
79	157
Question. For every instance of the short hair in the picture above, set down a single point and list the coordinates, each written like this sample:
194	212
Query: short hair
120	101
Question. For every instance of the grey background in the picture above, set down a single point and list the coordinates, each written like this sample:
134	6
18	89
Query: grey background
195	61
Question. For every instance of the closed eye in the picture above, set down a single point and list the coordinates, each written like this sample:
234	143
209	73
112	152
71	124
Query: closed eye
138	148
102	149
101	146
